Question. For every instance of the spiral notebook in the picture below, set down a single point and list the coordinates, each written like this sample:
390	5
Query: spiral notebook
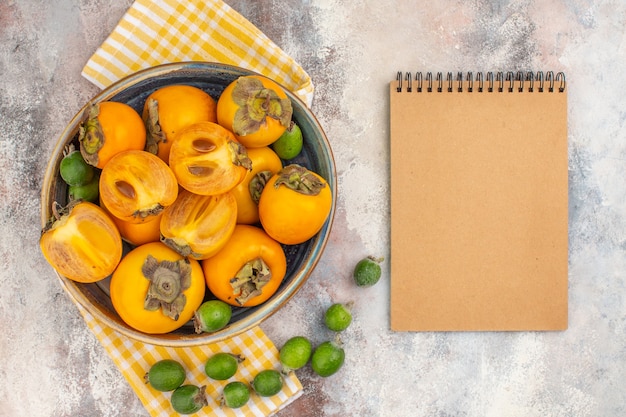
479	201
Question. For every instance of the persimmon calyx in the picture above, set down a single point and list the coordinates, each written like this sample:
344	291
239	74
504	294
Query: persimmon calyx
250	280
168	281
255	104
180	245
239	155
299	179
59	214
152	211
257	183
90	135
154	135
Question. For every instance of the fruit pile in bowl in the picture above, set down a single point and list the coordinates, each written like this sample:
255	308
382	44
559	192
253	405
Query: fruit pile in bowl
185	186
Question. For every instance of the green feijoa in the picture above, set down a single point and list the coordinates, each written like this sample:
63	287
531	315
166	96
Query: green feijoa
295	353
87	192
338	316
165	375
367	271
222	365
289	144
189	399
73	168
267	383
236	394
211	316
327	358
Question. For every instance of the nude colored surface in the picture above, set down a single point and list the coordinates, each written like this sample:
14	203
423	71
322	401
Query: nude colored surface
52	365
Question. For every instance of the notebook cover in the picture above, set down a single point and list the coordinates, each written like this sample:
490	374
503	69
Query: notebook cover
479	213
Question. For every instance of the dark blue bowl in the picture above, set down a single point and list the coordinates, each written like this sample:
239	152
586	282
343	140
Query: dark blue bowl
301	259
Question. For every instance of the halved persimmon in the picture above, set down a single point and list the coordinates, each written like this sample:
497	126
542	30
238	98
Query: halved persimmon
207	159
197	225
81	242
135	186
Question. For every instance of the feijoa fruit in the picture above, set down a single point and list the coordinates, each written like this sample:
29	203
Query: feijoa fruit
338	316
211	316
295	353
327	358
222	365
165	375
289	144
189	399
87	192
267	383
236	394
73	168
367	271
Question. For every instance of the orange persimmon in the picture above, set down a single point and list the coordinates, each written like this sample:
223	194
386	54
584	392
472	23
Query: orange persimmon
265	163
139	233
248	270
256	109
109	128
172	108
294	204
156	290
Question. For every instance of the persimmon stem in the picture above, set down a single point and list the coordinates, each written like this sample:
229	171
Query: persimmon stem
250	280
168	281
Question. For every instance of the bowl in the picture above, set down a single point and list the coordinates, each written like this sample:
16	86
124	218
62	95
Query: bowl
301	259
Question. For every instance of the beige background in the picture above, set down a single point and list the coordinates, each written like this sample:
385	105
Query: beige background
50	363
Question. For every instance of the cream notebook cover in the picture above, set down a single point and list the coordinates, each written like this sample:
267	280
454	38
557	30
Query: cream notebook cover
479	202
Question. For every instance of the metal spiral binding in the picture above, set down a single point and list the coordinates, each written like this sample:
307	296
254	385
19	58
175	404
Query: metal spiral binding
510	81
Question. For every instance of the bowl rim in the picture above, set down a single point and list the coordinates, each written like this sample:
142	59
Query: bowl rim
75	289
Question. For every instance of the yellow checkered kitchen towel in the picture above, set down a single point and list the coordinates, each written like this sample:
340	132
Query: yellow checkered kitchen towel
134	358
154	32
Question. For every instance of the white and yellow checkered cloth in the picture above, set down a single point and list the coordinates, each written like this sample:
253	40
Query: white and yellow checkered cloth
154	32
134	359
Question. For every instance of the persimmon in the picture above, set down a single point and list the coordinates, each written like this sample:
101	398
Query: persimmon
248	270
256	109
135	186
109	128
207	159
139	233
81	242
155	289
198	226
294	204
169	109
265	163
